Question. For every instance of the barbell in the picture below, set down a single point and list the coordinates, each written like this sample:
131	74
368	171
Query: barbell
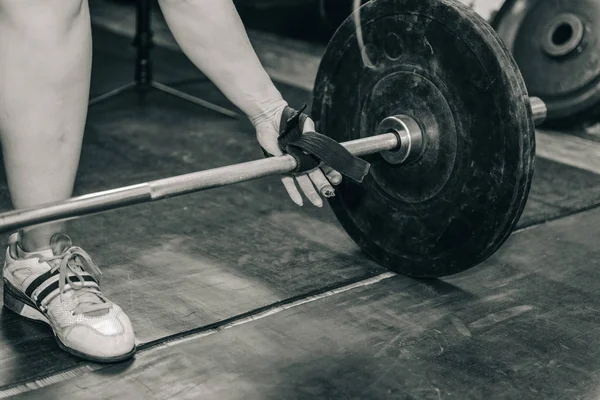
430	97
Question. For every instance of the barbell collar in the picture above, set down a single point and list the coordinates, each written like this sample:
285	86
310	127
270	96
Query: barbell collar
539	110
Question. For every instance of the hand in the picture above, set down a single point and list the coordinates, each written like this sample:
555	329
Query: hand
312	183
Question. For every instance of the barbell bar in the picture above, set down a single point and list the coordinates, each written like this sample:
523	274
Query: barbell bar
146	192
174	186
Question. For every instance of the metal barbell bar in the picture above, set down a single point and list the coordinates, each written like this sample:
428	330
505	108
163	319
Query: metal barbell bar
175	186
198	181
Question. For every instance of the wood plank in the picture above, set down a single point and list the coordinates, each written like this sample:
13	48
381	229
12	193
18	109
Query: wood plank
569	149
559	190
523	325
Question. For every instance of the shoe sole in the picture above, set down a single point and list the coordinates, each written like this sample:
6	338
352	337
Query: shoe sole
15	302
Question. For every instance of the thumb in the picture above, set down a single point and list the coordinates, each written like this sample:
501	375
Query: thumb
274	150
309	126
267	135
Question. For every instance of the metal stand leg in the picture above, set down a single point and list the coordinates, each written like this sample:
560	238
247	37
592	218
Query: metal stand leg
143	79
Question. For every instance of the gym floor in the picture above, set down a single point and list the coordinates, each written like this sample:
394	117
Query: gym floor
238	293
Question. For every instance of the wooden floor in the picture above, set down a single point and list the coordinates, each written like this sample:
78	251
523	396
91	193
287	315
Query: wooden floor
524	325
238	293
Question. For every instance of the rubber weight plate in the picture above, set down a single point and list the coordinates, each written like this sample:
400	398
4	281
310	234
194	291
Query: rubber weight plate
439	63
557	47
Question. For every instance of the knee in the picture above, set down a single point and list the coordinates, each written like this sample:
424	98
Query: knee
46	16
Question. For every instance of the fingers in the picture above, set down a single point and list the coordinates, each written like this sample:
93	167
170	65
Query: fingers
321	183
309	190
332	175
307	184
319	178
290	187
309	125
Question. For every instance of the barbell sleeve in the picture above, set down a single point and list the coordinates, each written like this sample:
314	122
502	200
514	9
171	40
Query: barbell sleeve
175	186
539	110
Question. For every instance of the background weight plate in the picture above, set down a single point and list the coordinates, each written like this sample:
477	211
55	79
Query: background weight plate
557	47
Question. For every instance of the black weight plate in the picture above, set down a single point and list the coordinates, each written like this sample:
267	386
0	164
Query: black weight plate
441	64
557	47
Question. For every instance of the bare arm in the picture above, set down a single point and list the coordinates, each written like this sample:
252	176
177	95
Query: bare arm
212	35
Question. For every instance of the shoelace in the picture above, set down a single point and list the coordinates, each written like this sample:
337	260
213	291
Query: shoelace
75	260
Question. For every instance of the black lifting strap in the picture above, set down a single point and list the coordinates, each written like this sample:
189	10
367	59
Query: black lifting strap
311	148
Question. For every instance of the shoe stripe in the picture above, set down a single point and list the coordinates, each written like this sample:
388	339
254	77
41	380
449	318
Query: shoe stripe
53	279
54	286
37	282
43	286
56	292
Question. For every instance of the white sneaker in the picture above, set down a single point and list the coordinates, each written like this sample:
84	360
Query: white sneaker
55	286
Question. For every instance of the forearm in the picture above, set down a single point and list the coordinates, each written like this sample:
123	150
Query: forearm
212	35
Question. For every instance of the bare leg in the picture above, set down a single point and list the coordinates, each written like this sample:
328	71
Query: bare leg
45	72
